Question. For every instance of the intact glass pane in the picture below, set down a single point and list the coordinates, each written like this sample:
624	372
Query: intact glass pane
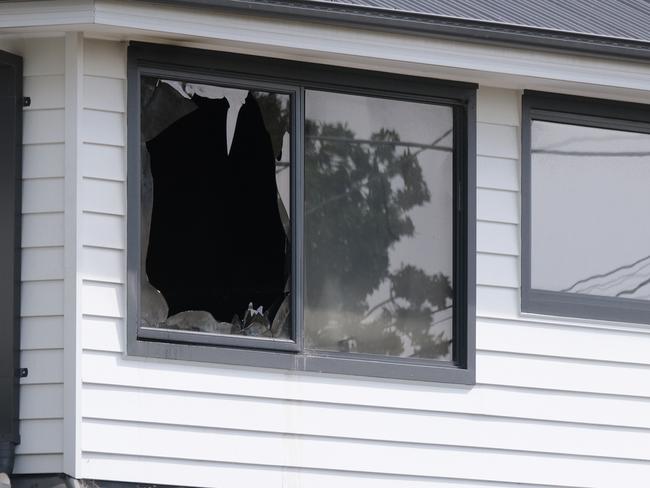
378	226
216	256
590	208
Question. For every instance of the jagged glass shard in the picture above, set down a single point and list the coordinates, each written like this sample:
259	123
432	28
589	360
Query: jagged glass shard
197	320
281	322
164	107
258	329
153	307
236	322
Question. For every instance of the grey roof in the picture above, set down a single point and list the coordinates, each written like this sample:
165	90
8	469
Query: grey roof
619	28
620	19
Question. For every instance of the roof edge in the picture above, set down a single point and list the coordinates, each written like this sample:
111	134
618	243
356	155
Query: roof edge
436	26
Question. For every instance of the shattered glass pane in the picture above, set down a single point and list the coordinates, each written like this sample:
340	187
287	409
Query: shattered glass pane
378	226
216	251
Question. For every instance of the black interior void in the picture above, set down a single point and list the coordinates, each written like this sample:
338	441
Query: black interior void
218	250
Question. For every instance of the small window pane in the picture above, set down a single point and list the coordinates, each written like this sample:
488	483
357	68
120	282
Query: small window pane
378	226
590	206
215	209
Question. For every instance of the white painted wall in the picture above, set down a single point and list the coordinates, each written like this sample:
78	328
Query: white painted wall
561	404
557	403
42	322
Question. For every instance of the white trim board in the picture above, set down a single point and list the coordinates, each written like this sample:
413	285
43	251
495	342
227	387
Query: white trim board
72	293
318	42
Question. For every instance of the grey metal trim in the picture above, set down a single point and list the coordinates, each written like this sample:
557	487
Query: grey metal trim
11	103
191	337
434	26
589	112
289	75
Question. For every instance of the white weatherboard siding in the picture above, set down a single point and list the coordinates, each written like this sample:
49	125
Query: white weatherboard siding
41	406
556	404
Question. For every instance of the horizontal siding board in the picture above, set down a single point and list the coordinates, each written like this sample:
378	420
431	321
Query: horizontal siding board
45	263
42	230
45	92
103	230
44	366
101	264
498	141
497	206
103	333
103	196
218	475
38	463
40	436
563	342
43	195
104	93
43	160
497	173
496	301
112	369
103	127
562	374
40	298
103	299
41	401
495	237
100	161
499	270
43	126
498	106
44	57
41	333
169	410
364	456
104	58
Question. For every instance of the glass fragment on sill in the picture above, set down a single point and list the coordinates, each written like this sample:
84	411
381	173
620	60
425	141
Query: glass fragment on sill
215	196
196	320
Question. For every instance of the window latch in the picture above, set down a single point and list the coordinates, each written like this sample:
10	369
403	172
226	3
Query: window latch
27	101
22	372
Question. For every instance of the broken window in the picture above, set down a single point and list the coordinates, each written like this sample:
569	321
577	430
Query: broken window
301	217
215	209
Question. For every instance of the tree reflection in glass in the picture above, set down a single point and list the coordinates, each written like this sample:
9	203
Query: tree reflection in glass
378	226
215	200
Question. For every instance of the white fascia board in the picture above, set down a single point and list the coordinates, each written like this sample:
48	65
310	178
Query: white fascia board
499	66
46	13
368	48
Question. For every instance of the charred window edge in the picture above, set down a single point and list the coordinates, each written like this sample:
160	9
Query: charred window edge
291	355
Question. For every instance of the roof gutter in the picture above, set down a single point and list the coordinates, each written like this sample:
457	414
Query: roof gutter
435	26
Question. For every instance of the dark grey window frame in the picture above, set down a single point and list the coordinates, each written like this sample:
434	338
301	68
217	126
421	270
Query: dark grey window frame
587	112
11	108
296	77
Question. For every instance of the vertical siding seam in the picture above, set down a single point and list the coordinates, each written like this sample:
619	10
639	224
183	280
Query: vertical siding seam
72	286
